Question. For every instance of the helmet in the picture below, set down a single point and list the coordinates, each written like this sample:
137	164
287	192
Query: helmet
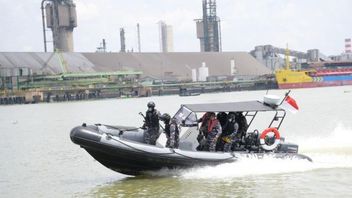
232	116
238	113
221	115
165	117
211	114
151	104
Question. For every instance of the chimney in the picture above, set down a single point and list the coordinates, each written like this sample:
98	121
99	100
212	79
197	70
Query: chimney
348	43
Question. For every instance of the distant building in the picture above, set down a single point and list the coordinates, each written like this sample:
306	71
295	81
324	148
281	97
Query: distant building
166	37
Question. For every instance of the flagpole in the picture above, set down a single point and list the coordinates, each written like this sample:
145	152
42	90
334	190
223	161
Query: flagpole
287	93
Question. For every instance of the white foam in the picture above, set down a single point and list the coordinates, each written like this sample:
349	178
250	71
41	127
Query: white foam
268	165
250	167
339	138
332	160
330	151
253	166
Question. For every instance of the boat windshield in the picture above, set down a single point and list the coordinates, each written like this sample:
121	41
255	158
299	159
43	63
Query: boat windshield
186	116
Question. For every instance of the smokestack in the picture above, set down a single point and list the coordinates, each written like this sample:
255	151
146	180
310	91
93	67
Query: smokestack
122	40
348	45
139	38
165	37
104	45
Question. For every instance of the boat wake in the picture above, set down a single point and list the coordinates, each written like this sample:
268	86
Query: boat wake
337	141
265	166
248	167
327	152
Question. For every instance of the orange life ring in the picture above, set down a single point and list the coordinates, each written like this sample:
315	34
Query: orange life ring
262	139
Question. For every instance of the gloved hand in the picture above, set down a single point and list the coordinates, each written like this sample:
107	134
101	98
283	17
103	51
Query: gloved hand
233	136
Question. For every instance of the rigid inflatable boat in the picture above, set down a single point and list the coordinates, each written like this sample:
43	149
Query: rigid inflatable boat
122	149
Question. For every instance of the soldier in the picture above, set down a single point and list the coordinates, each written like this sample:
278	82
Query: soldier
230	132
242	124
214	131
151	124
223	119
203	131
171	130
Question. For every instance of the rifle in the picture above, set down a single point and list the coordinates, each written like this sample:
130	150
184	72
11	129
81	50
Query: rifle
140	113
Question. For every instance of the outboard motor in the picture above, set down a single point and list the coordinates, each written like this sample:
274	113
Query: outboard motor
287	148
252	140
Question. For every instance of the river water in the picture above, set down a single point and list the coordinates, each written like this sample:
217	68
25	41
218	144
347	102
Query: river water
38	159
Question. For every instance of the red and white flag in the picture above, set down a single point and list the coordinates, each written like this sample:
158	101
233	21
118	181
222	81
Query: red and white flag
290	105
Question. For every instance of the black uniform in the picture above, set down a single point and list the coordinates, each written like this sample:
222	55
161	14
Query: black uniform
242	124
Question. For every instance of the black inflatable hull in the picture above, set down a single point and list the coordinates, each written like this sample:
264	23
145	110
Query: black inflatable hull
135	158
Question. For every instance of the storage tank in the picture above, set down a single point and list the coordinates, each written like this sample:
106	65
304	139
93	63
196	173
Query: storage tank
194	75
203	72
233	69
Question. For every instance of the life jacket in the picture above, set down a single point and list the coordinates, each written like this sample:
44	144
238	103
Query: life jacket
152	118
228	129
222	117
242	123
212	124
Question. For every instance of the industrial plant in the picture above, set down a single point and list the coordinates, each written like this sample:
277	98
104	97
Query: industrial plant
61	18
208	28
63	74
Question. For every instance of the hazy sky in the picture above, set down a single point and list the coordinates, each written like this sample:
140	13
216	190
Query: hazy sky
303	24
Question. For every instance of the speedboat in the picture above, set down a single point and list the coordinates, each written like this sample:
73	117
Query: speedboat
122	148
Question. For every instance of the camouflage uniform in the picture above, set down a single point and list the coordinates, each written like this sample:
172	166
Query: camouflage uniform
231	137
152	124
214	131
172	131
203	131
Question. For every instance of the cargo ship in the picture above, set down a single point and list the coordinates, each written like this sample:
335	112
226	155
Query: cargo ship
321	74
